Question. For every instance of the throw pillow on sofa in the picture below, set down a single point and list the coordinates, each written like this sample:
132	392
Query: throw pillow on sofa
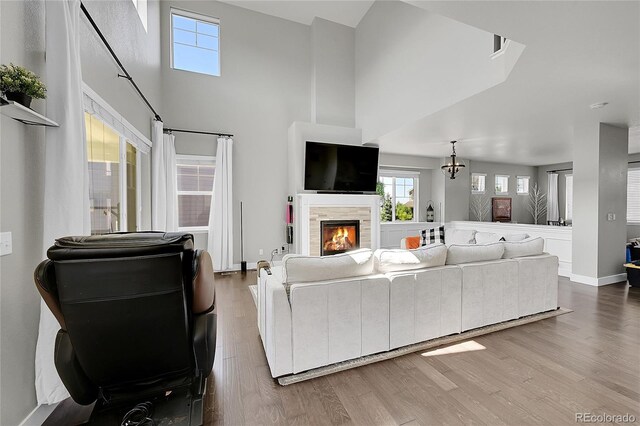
469	253
432	236
392	260
459	236
515	237
527	247
488	237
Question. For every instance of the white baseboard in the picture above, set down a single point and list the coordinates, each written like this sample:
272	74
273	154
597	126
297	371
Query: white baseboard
610	279
236	267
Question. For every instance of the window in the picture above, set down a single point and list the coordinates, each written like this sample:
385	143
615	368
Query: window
502	185
478	181
633	196
522	185
141	7
195	43
398	190
114	194
568	205
195	191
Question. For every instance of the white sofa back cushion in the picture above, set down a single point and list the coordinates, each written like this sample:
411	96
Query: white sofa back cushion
391	260
460	253
303	269
528	247
487	237
459	236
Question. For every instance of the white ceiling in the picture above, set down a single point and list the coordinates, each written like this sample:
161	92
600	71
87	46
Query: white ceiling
577	53
347	13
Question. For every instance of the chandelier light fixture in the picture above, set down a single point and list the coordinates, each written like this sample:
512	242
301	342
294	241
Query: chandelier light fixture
454	165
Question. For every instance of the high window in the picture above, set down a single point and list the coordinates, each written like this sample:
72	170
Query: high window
195	191
141	7
114	181
399	193
195	43
478	183
633	196
522	185
502	184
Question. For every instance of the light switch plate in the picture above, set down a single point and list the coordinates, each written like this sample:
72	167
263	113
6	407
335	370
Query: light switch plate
6	245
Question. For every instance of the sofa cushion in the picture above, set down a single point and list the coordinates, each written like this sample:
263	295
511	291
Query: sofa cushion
527	247
302	269
433	235
391	260
467	253
515	237
488	237
459	236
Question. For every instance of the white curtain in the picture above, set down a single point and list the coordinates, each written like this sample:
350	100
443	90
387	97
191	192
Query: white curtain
66	183
221	215
164	180
553	210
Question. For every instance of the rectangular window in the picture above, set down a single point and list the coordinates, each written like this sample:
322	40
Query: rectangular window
633	196
478	182
522	185
568	209
399	192
502	185
195	191
141	7
113	179
195	43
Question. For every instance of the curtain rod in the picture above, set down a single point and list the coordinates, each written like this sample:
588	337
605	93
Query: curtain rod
115	57
168	130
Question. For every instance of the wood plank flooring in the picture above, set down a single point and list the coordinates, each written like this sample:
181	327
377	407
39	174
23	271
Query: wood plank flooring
587	361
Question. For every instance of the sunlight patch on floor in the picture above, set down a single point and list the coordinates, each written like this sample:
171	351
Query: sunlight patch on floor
468	346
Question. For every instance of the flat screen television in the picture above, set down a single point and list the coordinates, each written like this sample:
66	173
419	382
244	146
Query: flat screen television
340	168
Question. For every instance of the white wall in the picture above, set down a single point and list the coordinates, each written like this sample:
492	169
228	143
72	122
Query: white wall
519	203
264	86
411	63
333	73
21	201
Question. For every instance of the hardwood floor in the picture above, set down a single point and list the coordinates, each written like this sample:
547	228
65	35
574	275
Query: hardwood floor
587	361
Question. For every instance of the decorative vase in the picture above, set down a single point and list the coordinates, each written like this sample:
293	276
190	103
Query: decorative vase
19	97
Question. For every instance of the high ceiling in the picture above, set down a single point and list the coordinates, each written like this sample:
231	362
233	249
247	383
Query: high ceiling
577	54
347	13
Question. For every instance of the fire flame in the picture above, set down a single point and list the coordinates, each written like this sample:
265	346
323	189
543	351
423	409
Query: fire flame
339	240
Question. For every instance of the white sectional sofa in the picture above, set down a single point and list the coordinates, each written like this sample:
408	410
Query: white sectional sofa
314	312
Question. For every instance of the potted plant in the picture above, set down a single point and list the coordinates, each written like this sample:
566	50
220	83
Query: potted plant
21	85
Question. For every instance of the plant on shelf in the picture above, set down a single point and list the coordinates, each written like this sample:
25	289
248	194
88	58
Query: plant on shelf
537	203
21	85
480	207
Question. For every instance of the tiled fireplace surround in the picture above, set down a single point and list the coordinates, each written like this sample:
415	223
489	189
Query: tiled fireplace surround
313	208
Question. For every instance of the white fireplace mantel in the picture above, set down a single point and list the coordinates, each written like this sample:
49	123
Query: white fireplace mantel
305	202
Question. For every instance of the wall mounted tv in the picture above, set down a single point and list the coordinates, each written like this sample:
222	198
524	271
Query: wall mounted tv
331	167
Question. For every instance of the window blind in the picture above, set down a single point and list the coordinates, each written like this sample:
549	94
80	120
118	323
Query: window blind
633	195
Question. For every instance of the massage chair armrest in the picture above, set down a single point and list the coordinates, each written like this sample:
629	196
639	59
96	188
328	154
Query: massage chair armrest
81	389
204	294
204	342
45	279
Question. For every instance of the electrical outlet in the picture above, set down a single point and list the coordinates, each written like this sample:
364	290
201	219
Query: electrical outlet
6	245
260	252
611	217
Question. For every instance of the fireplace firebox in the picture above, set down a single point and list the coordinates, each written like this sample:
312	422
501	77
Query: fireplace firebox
338	236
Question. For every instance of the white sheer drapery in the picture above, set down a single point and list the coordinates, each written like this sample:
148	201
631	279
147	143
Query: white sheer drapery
66	183
553	210
164	180
221	216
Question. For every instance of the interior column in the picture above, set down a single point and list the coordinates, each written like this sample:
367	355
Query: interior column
599	203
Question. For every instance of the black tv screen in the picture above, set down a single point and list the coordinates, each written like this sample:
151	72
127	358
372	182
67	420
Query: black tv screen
340	168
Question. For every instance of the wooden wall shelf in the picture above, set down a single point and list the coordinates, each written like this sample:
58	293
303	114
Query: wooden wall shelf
24	115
